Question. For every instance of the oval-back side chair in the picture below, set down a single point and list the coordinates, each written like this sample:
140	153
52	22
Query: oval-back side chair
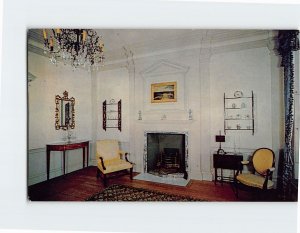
260	180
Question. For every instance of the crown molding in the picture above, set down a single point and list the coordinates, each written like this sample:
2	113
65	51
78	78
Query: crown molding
198	39
240	46
212	41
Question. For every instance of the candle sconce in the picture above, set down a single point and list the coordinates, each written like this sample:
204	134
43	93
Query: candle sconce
140	115
190	114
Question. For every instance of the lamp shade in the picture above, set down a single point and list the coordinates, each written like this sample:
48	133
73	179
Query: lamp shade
220	138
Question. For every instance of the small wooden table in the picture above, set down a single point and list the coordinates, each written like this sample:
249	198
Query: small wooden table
227	161
63	146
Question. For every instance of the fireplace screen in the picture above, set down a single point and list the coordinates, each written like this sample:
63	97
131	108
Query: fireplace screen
166	154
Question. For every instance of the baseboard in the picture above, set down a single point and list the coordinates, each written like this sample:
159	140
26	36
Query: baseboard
201	176
38	178
207	176
40	175
195	175
92	162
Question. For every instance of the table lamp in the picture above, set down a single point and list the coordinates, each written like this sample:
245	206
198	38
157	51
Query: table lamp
220	138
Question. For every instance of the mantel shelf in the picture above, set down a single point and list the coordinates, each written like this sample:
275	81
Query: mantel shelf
165	121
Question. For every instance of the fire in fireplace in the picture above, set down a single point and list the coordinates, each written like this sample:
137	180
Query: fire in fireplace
166	154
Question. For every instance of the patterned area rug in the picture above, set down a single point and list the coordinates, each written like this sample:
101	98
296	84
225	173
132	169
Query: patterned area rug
126	193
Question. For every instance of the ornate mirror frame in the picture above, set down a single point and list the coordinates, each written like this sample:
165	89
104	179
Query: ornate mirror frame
64	112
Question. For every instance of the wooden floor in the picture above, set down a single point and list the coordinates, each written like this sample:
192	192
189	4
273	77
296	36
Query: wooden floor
81	184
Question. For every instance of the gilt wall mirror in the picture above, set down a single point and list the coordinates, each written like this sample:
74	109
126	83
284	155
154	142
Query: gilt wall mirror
64	112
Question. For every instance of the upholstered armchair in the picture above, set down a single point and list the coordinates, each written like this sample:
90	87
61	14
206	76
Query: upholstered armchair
260	180
111	159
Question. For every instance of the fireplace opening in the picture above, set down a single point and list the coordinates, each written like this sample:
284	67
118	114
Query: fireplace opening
166	155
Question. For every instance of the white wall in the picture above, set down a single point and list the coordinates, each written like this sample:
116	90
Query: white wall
209	75
246	71
113	84
54	80
203	76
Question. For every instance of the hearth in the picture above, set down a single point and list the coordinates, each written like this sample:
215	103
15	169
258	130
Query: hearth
166	154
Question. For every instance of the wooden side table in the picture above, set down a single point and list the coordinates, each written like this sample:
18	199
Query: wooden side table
227	161
63	146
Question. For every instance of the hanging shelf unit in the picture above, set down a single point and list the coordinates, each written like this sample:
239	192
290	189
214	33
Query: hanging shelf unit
112	117
239	112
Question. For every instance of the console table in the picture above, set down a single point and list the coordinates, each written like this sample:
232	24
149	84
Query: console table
63	146
227	161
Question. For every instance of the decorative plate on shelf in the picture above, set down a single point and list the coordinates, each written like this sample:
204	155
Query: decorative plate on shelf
238	94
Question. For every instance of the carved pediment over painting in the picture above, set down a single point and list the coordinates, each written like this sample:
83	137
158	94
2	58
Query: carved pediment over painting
164	67
163	90
64	112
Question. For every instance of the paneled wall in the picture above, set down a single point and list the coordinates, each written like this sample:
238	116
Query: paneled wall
54	80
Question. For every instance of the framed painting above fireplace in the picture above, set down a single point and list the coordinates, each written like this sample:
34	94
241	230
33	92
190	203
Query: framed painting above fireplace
164	92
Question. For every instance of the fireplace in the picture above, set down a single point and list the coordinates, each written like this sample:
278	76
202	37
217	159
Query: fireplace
166	154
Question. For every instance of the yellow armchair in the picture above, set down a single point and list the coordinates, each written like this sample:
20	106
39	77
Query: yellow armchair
110	159
263	161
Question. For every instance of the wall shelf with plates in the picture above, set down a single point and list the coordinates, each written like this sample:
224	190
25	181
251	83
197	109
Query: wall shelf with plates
239	112
112	117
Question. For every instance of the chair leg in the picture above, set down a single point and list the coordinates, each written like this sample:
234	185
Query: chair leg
131	170
98	173
236	189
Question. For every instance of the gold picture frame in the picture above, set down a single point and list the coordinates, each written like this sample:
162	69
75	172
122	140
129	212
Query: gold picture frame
164	92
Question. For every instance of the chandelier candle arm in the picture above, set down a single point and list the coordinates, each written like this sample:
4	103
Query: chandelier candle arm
77	47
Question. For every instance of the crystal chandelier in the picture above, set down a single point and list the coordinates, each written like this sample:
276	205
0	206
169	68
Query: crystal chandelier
78	47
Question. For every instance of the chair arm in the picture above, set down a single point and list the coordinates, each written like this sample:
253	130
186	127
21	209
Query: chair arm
269	174
271	169
245	162
237	173
121	152
102	163
126	154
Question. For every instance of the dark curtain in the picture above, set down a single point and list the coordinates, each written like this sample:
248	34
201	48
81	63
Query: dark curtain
287	42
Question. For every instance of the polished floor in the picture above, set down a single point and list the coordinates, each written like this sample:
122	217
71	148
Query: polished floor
81	184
